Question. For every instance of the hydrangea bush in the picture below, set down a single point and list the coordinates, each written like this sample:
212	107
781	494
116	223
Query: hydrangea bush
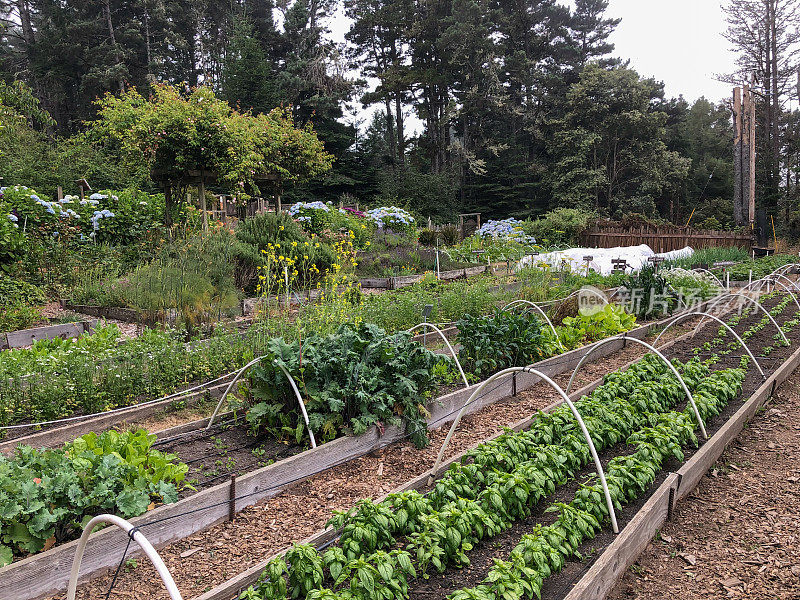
392	218
506	229
106	216
315	217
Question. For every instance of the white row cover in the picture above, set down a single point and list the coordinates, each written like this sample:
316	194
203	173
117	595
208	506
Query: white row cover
635	256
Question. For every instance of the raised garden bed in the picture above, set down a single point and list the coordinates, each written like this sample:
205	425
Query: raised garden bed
213	504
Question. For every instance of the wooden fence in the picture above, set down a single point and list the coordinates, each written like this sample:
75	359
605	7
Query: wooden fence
661	238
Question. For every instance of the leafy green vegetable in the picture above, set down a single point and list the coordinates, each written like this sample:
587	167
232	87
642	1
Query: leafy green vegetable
48	494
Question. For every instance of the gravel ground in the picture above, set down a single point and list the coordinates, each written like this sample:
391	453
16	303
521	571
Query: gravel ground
736	535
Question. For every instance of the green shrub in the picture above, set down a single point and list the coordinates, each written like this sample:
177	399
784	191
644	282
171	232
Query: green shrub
194	276
450	235
428	237
559	226
501	340
254	235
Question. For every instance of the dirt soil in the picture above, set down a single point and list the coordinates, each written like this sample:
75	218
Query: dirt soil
736	535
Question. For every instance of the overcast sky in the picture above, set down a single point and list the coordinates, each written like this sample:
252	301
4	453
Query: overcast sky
678	42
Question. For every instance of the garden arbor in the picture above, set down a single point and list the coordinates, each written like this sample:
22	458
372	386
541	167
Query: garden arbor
195	138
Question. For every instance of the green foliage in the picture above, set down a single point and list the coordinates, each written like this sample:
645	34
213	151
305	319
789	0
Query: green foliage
708	256
761	267
48	494
500	481
58	378
194	275
18	300
501	340
649	294
559	226
353	379
609	120
583	329
253	237
173	134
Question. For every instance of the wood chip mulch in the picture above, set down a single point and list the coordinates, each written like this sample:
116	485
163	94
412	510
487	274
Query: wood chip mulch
738	534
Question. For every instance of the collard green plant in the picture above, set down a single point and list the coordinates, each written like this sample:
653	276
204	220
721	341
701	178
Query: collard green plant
350	380
501	340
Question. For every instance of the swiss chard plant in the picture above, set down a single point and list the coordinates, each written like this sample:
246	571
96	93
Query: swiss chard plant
47	495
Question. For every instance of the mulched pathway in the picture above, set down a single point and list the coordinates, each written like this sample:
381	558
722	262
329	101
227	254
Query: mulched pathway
736	535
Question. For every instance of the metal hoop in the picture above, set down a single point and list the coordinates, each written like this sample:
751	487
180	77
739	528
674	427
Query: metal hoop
136	536
774	278
575	413
446	341
721	322
657	353
291	382
541	312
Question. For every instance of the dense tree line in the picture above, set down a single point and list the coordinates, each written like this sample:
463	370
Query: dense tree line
523	105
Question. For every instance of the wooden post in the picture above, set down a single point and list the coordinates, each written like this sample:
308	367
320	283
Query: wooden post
202	191
278	206
60	193
751	133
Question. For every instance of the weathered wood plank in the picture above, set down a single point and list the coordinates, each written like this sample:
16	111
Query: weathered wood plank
627	546
26	337
697	466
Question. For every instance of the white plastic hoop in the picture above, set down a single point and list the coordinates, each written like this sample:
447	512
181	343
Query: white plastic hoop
721	322
657	353
775	279
136	536
541	312
291	382
446	341
713	303
701	270
575	413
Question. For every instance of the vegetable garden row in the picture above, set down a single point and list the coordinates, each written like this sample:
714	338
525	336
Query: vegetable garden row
126	475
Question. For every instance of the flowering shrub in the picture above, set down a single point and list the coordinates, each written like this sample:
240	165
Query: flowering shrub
314	216
507	229
106	216
30	210
12	242
392	218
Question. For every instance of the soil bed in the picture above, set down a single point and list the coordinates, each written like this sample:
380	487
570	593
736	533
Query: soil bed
557	586
736	535
209	557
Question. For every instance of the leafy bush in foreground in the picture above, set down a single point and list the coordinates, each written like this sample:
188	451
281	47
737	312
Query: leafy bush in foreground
46	496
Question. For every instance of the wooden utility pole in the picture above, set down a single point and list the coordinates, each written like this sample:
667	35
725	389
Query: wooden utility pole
744	156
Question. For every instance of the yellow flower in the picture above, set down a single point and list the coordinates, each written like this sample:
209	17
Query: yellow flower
281	257
305	256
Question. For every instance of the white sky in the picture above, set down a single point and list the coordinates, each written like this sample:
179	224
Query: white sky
678	42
